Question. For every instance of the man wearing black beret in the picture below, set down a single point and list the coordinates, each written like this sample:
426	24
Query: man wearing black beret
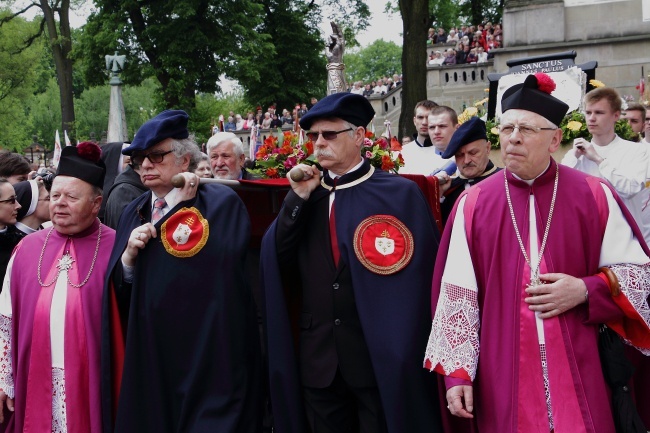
191	360
347	269
471	150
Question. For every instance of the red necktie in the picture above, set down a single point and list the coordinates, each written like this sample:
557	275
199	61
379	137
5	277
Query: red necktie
333	240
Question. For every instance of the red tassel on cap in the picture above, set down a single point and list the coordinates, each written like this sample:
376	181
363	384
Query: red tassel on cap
545	83
89	150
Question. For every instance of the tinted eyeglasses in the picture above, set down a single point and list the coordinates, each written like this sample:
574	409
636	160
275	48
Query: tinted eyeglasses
327	135
153	157
10	200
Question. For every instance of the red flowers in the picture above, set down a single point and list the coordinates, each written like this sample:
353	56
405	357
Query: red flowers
545	83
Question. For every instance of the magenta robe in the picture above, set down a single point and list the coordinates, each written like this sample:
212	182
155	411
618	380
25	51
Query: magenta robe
25	290
508	390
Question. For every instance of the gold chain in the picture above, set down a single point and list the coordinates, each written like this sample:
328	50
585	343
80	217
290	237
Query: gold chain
534	272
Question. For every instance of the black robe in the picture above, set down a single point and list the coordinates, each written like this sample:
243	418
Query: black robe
393	310
192	361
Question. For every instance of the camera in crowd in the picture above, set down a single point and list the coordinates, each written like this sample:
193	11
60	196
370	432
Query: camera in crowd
46	176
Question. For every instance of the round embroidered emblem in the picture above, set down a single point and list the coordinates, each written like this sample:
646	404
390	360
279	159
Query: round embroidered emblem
383	244
185	232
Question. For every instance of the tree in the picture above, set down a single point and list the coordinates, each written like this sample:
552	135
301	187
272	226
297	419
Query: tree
186	44
45	114
378	59
293	68
17	81
59	37
415	19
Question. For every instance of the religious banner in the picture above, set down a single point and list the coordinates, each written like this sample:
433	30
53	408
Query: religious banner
572	80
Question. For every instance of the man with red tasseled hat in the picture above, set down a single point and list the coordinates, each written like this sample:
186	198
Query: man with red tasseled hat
532	262
50	308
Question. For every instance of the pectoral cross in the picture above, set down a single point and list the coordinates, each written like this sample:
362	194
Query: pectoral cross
534	280
65	262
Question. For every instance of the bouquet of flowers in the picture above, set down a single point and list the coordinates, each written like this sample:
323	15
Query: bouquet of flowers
280	153
378	151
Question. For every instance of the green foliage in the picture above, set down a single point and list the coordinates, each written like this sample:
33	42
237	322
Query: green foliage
378	59
92	112
17	81
292	69
186	44
208	109
45	112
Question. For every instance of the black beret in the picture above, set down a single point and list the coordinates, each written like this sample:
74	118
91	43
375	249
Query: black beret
535	95
168	124
83	161
469	131
27	196
350	107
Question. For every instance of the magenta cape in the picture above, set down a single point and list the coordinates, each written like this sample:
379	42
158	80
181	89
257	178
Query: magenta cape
25	290
508	393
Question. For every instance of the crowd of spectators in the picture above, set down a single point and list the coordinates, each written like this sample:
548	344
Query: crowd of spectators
271	119
263	119
473	44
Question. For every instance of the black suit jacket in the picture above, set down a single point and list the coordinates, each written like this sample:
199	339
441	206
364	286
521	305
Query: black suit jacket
330	331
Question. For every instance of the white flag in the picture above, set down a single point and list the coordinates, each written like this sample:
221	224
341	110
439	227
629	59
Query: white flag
57	150
67	140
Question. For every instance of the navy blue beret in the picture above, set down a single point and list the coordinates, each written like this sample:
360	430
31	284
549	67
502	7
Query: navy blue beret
168	124
469	131
529	97
350	107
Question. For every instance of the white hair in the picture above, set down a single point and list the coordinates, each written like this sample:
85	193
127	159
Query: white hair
221	137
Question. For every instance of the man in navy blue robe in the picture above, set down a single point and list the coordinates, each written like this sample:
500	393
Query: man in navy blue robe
347	269
191	355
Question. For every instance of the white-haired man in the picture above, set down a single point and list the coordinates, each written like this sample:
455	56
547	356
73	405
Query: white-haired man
226	153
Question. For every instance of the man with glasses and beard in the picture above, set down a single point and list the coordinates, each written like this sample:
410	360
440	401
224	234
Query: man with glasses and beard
178	293
355	250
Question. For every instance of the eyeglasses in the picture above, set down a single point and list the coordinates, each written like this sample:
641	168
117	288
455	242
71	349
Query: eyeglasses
525	130
10	200
327	135
153	157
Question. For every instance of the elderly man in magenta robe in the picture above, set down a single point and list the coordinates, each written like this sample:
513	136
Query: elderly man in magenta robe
50	308
524	278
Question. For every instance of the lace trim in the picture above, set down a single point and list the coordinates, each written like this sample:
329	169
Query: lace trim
6	371
59	420
634	281
547	388
453	342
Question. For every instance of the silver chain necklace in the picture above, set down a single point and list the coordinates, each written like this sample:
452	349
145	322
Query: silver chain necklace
534	272
65	262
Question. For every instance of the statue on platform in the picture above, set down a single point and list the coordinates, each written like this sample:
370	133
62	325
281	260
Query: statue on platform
334	52
115	64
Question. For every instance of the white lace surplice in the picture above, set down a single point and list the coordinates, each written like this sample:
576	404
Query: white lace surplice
57	324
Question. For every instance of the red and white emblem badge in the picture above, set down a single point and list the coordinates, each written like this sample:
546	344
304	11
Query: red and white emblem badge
383	244
185	232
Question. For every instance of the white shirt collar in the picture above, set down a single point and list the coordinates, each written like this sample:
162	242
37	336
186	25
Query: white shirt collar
355	168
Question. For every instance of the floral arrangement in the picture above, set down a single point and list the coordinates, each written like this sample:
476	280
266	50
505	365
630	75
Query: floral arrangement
280	153
381	153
